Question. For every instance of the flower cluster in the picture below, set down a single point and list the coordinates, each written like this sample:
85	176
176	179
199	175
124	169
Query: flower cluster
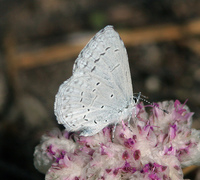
156	146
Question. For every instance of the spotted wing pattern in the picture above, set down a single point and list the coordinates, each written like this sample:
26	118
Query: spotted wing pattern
99	92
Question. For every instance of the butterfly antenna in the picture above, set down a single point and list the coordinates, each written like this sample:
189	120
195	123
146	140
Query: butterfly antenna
144	98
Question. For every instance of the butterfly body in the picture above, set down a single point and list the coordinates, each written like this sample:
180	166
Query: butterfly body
99	92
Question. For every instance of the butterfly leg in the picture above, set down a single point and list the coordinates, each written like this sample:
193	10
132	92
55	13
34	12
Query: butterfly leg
137	99
129	125
113	131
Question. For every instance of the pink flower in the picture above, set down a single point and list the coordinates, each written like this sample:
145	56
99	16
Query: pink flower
156	147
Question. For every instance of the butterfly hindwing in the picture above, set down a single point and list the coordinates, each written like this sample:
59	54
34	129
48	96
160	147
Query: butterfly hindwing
100	87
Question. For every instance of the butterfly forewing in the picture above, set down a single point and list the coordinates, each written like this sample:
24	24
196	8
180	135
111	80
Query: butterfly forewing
99	88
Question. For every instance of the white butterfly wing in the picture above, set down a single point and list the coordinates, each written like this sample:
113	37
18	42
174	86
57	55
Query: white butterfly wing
100	88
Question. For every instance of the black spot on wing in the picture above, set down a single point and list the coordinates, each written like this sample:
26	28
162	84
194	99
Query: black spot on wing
107	48
93	69
95	61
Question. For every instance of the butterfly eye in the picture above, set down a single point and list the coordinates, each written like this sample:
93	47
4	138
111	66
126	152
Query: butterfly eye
135	99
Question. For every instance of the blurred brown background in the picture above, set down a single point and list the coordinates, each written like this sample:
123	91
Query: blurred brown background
39	41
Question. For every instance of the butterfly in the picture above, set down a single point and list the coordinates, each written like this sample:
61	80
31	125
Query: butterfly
99	92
